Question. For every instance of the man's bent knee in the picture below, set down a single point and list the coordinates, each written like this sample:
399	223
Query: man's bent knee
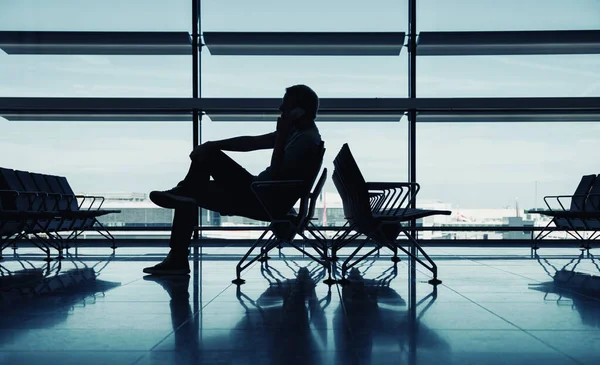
204	151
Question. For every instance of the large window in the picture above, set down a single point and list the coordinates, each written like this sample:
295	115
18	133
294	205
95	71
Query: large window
464	165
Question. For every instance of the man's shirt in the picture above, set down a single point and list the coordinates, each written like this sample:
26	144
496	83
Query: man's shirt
301	161
301	156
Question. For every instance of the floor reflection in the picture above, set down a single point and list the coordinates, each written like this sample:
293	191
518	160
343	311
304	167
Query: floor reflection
570	287
370	322
485	312
379	322
185	327
44	295
288	317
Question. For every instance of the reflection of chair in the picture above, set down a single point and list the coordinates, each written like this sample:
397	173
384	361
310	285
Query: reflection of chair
378	210
31	289
293	314
376	317
284	229
583	214
581	289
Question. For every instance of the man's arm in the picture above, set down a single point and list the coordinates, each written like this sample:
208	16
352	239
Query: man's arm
246	143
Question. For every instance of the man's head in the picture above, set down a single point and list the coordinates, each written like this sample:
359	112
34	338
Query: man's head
300	96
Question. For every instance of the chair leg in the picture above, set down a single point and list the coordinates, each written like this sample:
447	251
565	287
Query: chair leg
264	256
242	265
394	258
432	268
330	280
346	265
106	233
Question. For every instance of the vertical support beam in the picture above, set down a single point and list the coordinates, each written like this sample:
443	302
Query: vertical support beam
196	115
412	170
196	139
412	92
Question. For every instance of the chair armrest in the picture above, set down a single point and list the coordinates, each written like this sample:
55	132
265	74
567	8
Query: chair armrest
30	197
12	193
269	183
559	199
390	185
93	199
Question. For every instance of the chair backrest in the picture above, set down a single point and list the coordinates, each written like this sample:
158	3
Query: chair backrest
592	202
318	168
6	201
23	202
30	185
335	177
27	181
583	189
43	186
305	194
354	184
41	183
65	185
11	180
55	185
314	196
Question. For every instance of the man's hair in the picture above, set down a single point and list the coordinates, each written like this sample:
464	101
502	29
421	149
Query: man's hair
305	98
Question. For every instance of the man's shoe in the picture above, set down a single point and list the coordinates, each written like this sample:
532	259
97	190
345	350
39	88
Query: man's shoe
172	199
170	266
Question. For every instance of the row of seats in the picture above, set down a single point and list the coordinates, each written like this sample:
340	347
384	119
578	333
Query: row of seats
581	215
44	209
379	211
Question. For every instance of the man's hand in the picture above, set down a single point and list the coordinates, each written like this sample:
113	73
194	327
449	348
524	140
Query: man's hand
284	124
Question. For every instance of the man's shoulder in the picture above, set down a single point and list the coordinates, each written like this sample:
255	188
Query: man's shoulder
312	134
306	136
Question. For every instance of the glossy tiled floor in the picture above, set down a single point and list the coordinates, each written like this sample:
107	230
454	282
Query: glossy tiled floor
489	310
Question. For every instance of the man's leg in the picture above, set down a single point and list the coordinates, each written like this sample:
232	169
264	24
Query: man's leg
176	263
211	162
221	195
214	196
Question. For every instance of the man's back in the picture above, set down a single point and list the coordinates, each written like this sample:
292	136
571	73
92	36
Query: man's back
301	156
301	161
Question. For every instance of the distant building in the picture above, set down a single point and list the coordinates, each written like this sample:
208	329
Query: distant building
137	210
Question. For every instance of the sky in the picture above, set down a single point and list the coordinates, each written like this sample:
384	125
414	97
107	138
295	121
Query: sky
469	165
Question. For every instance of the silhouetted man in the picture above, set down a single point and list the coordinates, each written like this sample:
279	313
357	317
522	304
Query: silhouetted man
296	155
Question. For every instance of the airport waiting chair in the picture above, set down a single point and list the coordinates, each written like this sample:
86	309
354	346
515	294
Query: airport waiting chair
284	229
88	208
26	210
575	213
12	221
46	206
378	210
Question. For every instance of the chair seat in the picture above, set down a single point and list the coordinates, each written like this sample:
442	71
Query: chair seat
569	214
409	214
577	223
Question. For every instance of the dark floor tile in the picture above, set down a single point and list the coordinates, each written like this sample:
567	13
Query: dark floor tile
70	357
83	340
